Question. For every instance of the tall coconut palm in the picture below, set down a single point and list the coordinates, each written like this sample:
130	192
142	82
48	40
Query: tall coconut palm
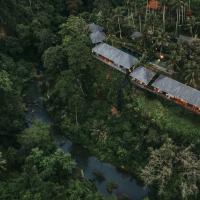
191	73
193	25
164	4
161	42
179	6
130	18
118	16
151	22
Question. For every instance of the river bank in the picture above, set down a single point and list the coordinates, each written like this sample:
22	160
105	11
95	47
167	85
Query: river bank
125	185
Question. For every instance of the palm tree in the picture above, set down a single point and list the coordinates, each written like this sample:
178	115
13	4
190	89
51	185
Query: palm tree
131	7
192	73
161	42
185	59
151	21
179	6
118	14
193	25
164	5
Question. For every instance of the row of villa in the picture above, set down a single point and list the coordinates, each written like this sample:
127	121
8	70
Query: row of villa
143	77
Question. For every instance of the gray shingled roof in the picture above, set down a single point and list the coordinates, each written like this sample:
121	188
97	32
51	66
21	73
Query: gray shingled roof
143	74
187	39
94	28
117	56
136	35
178	89
97	37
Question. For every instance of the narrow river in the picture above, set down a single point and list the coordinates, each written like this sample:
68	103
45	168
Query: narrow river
127	188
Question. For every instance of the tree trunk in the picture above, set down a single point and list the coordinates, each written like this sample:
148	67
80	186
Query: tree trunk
182	10
129	12
120	31
140	21
176	31
133	21
76	115
147	10
80	86
30	3
164	13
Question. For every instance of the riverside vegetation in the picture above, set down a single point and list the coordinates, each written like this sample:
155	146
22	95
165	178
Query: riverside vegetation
90	103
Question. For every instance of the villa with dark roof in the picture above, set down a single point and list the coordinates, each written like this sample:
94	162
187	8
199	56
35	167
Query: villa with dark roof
114	57
143	77
94	28
178	92
97	37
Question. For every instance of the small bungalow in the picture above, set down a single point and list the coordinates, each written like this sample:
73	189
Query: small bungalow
114	57
136	35
142	75
186	39
94	28
178	92
97	37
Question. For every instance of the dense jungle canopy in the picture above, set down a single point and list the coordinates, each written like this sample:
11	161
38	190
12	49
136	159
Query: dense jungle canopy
47	42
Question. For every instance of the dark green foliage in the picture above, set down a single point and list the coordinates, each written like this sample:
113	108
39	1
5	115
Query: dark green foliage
55	60
31	167
91	103
47	177
36	136
82	99
10	107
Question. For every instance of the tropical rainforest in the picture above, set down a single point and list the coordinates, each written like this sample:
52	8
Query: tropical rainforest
47	42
